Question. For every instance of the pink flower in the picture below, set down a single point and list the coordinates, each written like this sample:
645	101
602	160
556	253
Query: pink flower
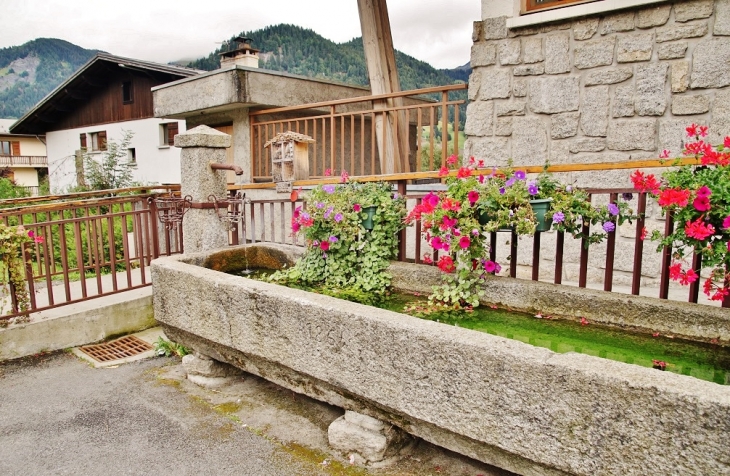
701	204
481	178
344	176
726	223
473	197
356	207
324	246
726	142
464	242
452	159
664	154
443	171
327	172
489	266
449	222
437	243
464	172
431	199
704	192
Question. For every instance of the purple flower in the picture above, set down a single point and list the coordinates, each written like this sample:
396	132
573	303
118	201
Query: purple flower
569	188
305	215
338	217
558	217
502	191
510	182
608	227
328	212
520	175
532	188
613	209
319	205
333	239
328	188
627	196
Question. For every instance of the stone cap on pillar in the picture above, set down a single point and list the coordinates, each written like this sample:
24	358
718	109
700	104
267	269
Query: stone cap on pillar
203	136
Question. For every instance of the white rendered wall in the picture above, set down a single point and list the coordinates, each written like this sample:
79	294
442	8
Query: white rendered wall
155	164
25	176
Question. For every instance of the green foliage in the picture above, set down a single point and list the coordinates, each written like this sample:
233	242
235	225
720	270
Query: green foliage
343	256
58	60
168	348
111	169
12	240
8	189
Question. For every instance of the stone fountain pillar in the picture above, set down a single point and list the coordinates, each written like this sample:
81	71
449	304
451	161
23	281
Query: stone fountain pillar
201	146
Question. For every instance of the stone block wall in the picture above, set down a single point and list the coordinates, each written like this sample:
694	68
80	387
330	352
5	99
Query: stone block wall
605	88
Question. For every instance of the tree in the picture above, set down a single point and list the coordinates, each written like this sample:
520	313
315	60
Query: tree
112	169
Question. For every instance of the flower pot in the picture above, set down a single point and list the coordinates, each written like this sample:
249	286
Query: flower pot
367	222
484	217
540	207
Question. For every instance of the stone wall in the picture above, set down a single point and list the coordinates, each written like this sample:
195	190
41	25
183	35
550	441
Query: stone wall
604	88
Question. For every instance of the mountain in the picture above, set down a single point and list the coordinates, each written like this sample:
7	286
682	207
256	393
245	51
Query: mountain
30	71
301	51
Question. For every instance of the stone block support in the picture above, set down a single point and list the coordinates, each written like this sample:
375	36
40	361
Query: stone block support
202	230
206	372
369	438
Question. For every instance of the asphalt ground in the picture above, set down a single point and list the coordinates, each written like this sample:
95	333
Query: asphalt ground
60	416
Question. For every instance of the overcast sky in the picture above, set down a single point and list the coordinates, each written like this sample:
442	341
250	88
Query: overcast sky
435	31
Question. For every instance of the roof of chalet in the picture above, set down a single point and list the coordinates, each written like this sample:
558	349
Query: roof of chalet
34	121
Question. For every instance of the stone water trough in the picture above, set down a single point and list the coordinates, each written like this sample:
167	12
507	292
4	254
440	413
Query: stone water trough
506	403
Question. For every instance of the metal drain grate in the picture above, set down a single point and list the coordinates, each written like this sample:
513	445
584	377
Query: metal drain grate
117	349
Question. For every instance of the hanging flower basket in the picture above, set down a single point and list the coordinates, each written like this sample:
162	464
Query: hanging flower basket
367	222
540	208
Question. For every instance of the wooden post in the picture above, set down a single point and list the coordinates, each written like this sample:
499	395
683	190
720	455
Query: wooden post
391	127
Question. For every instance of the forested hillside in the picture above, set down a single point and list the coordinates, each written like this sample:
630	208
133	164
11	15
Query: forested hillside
301	51
30	71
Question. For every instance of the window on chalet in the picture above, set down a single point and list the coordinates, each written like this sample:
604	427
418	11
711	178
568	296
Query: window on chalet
132	156
529	6
168	131
98	141
127	96
9	147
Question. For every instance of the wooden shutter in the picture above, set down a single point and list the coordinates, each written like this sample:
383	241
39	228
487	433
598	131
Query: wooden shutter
534	5
82	140
16	148
171	133
102	140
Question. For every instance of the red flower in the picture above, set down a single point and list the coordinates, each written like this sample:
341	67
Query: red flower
691	130
464	172
427	259
726	142
698	229
356	207
449	222
643	234
446	264
674	196
464	242
443	171
675	270
473	196
645	183
324	246
450	204
452	159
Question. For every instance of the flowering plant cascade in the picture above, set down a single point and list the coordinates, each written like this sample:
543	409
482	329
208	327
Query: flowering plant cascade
12	241
450	224
698	196
342	255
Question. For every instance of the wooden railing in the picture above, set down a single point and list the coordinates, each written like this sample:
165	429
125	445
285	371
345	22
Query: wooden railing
23	160
348	132
92	245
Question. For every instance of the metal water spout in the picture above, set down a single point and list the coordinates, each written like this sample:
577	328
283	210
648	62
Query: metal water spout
218	166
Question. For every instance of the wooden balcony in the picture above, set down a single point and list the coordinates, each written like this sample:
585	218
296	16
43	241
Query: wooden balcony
23	161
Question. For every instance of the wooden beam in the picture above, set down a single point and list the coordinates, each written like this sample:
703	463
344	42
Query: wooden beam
383	75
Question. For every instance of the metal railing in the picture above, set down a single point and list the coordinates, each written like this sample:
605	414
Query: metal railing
92	247
349	136
23	160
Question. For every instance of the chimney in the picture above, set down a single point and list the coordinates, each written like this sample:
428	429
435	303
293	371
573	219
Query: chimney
242	54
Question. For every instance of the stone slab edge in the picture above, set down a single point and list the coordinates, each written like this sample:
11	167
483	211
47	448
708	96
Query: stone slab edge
641	313
566	412
77	328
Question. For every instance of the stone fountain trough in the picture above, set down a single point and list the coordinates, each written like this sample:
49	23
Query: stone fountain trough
518	407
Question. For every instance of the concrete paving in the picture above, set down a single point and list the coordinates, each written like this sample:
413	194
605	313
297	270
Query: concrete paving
59	415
